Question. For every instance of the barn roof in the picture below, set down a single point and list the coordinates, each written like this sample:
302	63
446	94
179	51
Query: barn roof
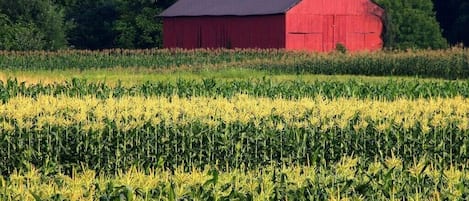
228	7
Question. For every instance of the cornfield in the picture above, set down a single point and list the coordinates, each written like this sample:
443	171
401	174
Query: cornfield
113	134
295	89
248	139
348	179
451	63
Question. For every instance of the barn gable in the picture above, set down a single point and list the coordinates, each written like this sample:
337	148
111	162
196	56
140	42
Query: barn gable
320	25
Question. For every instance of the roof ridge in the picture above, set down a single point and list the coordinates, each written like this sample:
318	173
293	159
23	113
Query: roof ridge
228	7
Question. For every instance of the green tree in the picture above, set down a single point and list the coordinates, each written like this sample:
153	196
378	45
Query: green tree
92	23
100	24
138	25
163	4
5	33
35	18
412	24
19	36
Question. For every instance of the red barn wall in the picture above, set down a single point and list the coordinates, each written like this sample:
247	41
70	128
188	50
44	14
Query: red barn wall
224	32
319	25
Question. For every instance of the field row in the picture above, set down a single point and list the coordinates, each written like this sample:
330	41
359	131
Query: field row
295	89
349	179
451	63
113	134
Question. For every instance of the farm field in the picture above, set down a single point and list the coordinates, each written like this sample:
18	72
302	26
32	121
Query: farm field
133	76
234	125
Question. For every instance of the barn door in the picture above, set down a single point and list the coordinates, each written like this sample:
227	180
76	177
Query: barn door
340	30
328	33
334	31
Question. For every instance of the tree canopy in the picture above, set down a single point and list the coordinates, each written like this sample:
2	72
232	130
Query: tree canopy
32	24
411	24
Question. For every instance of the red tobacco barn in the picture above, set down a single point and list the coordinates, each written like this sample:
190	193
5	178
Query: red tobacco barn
317	25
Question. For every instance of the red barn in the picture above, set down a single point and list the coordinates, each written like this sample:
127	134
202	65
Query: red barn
317	25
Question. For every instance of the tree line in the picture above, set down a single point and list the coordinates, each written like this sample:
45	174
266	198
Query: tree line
132	24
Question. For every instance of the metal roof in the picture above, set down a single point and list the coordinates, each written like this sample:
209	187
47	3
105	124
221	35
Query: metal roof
228	7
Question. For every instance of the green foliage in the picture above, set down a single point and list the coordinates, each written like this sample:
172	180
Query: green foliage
106	24
138	25
164	3
19	36
34	25
340	48
411	24
93	21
